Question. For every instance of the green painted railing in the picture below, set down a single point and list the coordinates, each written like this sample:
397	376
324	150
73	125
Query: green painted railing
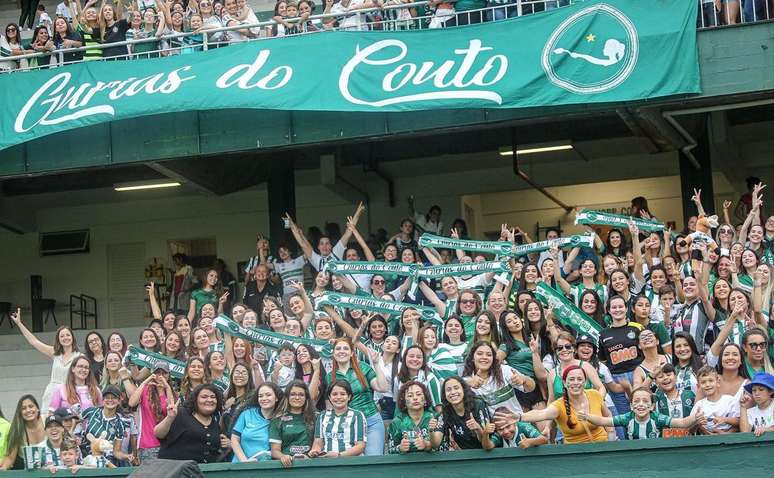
728	456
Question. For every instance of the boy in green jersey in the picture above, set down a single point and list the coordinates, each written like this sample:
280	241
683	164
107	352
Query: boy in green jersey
643	422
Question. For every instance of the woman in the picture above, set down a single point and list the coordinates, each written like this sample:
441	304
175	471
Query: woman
539	328
12	43
454	336
150	342
492	381
588	272
364	380
618	347
564	348
105	422
405	238
516	352
468	308
145	26
183	327
206	295
744	278
390	365
467	423
90	30
207	323
292	429
240	351
652	360
340	431
240	388
450	289
174	346
615	244
443	360
117	375
486	329
113	29
216	366
200	343
41	43
183	283
62	353
754	342
210	21
725	237
592	306
687	361
308	369
641	311
414	368
26	430
195	374
416	428
191	431
80	388
95	352
563	410
153	396
530	276
250	435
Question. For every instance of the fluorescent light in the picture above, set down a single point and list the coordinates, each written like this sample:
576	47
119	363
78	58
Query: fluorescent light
506	151
136	186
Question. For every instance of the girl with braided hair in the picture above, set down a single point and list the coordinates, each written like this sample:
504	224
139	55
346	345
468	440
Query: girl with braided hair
566	410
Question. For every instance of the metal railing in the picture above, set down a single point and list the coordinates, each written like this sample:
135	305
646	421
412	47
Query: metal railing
387	18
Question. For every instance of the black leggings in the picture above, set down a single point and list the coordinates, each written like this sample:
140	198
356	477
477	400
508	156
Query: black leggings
28	9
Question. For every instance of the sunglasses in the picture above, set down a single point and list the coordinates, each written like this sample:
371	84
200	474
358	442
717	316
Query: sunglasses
378	282
565	347
757	345
468	301
8	30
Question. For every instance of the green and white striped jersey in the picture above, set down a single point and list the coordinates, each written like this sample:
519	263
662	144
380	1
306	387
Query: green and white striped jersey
429	380
340	432
446	360
637	430
290	271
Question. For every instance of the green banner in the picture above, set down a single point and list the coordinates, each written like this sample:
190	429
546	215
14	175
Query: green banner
500	248
566	312
599	218
590	52
269	338
577	240
371	304
146	359
465	269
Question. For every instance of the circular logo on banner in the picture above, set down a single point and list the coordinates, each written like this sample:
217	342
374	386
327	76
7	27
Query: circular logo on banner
591	51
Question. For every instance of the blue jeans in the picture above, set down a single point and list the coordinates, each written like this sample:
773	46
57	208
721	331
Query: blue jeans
753	10
375	436
620	400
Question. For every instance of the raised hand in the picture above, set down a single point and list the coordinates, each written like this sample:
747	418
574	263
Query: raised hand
696	196
16	316
454	233
473	425
172	409
224	298
727	204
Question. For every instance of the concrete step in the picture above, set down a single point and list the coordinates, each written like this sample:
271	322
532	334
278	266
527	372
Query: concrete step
16	341
33	385
23	370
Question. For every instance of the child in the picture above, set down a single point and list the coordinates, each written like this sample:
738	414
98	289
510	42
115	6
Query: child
667	310
284	371
44	20
519	434
722	411
759	418
643	422
68	457
670	401
56	435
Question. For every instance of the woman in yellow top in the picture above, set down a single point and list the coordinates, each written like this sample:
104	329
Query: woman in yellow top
565	411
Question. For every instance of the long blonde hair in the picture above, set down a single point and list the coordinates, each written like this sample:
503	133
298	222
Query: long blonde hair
103	26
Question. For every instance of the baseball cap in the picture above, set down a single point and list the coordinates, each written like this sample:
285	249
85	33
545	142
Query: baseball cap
111	390
586	339
53	419
161	366
63	413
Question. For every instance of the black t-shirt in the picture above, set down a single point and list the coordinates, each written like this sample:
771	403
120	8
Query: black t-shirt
114	34
188	439
59	44
619	347
455	428
254	298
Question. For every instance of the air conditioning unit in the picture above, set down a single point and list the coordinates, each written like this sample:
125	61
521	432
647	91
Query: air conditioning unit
64	242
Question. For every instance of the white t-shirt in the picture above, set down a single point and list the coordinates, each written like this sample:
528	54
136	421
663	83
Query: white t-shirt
726	406
761	418
493	394
353	21
318	262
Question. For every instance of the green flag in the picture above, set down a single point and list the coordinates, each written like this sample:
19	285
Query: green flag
600	218
566	312
268	338
498	248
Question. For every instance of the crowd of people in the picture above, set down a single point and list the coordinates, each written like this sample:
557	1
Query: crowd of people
94	23
397	345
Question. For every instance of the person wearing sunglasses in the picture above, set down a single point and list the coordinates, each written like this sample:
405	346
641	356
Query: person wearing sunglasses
10	45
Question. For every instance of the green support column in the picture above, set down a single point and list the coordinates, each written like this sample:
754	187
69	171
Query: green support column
701	178
281	189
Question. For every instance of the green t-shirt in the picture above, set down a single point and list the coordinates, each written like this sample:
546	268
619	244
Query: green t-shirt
522	428
679	407
5	429
403	425
291	432
520	358
636	430
362	396
201	297
469	325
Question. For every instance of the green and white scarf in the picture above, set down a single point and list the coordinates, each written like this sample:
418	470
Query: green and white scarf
149	360
576	240
566	312
372	304
466	269
599	218
498	248
363	267
268	338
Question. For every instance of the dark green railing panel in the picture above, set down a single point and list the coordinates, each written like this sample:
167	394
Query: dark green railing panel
149	138
236	130
729	456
